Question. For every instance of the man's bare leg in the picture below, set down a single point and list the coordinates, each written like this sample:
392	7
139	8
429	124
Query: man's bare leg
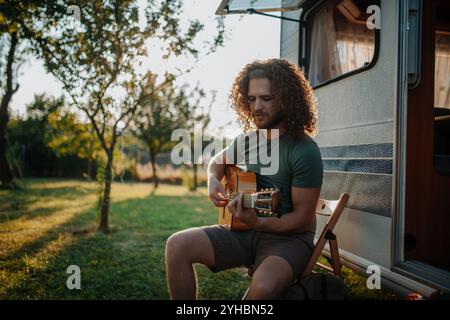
182	250
272	277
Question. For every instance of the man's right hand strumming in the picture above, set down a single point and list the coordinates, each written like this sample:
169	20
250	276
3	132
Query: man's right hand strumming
216	192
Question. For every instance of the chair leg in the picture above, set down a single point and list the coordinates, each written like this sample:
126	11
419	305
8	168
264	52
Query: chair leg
335	261
245	294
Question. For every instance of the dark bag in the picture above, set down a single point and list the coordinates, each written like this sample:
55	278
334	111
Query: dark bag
317	286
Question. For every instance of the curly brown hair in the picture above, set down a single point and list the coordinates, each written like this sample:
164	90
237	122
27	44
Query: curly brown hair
293	95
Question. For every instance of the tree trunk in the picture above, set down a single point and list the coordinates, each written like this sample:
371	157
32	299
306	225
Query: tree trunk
136	162
6	176
153	159
104	224
89	169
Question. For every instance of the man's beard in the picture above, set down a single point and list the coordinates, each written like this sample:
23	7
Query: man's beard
271	122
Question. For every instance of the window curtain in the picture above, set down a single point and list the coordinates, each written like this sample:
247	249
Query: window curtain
442	71
324	56
356	45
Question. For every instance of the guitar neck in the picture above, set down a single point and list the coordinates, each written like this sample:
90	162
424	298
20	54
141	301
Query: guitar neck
248	200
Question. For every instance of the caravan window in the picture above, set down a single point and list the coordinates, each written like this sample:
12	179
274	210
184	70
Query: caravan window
442	71
338	39
442	90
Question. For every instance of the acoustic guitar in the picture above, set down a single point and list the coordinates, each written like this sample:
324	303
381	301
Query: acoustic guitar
266	202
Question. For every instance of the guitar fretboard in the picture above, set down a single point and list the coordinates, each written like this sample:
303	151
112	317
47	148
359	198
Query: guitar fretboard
248	200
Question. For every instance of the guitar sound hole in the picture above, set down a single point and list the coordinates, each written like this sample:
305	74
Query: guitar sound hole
323	206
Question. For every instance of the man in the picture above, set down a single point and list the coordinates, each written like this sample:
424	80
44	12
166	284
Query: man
275	95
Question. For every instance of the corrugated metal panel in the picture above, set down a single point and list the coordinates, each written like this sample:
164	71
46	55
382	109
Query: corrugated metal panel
373	150
369	192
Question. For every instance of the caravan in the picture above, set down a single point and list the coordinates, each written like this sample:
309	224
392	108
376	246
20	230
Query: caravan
381	72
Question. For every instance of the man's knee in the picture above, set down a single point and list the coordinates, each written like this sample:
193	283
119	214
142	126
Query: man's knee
191	244
271	278
264	289
176	242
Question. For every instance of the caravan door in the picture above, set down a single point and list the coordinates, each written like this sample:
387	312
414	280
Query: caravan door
426	137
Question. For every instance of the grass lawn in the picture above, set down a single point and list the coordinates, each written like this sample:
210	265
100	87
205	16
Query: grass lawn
51	225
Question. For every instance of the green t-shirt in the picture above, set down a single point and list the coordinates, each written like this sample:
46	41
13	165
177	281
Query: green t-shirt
299	163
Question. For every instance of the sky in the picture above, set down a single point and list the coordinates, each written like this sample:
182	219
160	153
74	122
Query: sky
249	37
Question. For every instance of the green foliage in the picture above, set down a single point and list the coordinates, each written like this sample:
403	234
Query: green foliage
43	106
155	119
14	154
191	112
30	22
188	179
29	134
129	152
71	136
193	116
166	110
50	135
356	285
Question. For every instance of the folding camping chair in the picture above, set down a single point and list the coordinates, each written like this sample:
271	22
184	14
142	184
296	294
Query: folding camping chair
333	209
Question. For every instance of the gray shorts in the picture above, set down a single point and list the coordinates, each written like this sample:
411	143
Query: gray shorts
249	248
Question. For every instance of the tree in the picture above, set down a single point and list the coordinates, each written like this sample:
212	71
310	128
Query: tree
6	175
69	136
100	66
155	123
21	24
195	118
31	136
